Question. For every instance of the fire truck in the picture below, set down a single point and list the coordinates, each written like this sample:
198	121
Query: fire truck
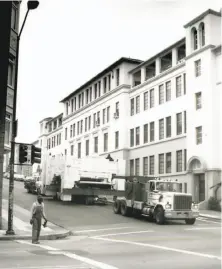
156	198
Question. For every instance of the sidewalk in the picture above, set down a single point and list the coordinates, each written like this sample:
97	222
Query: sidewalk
203	213
23	229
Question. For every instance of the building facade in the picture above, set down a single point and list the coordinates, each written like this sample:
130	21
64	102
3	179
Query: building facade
11	81
163	116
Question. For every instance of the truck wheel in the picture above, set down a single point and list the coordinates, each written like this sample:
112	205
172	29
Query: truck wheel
116	207
190	221
28	190
125	211
160	216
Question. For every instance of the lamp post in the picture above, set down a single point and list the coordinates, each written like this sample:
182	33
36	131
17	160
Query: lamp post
31	5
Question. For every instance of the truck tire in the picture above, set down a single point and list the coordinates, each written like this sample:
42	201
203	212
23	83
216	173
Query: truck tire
28	190
159	216
125	211
190	221
116	207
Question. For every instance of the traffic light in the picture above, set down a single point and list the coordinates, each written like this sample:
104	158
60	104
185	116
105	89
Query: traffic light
36	155
23	153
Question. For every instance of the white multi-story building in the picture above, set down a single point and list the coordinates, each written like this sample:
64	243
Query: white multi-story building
162	115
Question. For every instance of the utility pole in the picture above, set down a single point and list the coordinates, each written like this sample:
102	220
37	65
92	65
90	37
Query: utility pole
5	31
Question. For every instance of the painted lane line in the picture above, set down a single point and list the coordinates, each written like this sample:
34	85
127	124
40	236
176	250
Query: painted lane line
210	221
42	246
138	232
49	267
160	247
99	230
72	256
89	261
203	228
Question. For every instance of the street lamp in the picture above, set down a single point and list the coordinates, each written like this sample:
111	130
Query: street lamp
31	5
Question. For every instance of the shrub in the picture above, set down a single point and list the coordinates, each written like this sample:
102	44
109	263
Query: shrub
214	204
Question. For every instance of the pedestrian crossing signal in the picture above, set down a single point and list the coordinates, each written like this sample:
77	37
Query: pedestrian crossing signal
23	153
36	155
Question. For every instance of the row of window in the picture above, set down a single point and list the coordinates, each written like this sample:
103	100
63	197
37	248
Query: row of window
95	145
164	92
164	95
87	121
164	164
54	141
165	131
93	92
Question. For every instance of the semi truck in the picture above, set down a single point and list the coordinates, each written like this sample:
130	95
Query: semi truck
156	198
86	180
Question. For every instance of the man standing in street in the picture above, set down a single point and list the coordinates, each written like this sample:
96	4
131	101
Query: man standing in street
37	213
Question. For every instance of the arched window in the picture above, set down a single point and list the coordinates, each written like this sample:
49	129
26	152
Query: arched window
202	34
194	38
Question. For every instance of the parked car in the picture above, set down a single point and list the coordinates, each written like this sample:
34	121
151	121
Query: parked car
33	184
28	178
19	177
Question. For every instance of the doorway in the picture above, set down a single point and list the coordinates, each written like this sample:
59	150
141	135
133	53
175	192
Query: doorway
199	182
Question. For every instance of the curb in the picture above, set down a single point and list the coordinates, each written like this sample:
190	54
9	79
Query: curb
42	237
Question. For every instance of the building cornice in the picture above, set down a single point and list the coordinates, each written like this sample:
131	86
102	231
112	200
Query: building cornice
196	52
101	74
46	119
96	101
201	16
147	82
55	118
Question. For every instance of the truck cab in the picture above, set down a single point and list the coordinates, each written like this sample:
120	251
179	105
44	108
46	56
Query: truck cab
159	199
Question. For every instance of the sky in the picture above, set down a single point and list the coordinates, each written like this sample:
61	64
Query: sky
66	42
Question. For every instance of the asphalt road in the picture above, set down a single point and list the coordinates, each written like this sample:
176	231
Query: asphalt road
107	241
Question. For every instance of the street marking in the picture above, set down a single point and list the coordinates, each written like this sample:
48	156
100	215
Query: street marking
98	230
72	256
208	221
42	246
160	247
203	228
89	261
138	232
50	267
